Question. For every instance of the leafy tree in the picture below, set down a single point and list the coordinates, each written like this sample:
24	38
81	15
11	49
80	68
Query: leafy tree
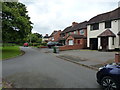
16	24
38	35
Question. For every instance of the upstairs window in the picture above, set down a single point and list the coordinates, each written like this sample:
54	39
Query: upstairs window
108	24
81	32
75	32
94	26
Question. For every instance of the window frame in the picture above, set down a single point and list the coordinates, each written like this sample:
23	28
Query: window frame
94	26
82	33
108	24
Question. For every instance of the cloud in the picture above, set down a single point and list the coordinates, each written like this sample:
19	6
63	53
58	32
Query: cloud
50	15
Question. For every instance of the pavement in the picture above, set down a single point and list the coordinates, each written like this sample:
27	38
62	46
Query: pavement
40	68
88	58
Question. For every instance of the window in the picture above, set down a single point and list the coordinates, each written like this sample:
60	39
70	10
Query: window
68	33
94	26
52	38
108	24
112	40
81	32
75	32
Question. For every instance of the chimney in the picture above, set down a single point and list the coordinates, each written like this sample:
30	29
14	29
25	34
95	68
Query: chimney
74	23
46	35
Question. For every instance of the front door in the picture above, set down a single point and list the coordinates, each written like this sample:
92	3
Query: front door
104	43
93	43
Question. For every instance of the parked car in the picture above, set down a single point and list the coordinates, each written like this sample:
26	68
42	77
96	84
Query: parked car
52	44
109	76
25	45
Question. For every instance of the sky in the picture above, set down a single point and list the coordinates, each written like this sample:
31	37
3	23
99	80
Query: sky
50	15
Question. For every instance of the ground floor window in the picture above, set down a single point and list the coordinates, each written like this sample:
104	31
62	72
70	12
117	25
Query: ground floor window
70	42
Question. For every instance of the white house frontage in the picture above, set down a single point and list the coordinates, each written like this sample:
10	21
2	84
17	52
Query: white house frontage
103	31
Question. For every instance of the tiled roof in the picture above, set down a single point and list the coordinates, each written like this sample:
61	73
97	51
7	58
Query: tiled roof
61	38
79	26
52	33
46	36
66	29
76	36
107	33
112	15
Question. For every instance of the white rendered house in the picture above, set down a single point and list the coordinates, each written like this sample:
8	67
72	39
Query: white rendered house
103	31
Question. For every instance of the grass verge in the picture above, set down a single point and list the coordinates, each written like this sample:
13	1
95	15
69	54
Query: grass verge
10	52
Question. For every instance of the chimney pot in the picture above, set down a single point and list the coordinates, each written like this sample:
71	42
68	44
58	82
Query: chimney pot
74	23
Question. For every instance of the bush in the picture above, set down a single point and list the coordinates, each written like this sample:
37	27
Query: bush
44	44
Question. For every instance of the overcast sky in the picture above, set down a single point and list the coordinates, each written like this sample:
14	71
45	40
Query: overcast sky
50	15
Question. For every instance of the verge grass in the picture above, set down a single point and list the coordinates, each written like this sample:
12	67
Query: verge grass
9	52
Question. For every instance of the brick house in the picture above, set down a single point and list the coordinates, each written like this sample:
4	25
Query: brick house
45	38
63	35
104	31
75	36
54	37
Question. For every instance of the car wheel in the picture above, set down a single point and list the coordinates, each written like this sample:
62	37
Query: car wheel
108	83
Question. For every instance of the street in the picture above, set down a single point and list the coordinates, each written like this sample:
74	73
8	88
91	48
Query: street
37	69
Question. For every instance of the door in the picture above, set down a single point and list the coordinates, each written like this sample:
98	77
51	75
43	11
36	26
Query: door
78	42
70	42
94	43
104	43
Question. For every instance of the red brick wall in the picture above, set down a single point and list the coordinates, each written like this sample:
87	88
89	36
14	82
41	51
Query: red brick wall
71	47
82	45
69	38
57	35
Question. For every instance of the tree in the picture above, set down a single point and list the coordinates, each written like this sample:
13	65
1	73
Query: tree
16	24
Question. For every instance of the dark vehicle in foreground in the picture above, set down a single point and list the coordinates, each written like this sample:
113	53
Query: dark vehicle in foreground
52	44
109	76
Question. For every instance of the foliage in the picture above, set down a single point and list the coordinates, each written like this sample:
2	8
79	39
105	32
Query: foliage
34	38
16	24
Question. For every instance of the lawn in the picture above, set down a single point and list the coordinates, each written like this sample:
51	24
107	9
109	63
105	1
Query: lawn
10	51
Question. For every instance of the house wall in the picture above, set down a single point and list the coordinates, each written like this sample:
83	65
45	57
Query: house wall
55	36
71	47
44	39
114	28
69	38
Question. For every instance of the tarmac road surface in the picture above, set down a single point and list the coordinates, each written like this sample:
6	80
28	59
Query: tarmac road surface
37	69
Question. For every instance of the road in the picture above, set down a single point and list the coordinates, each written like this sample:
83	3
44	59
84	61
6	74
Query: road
37	69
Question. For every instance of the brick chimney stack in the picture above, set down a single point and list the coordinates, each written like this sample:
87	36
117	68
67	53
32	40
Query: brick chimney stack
74	23
46	35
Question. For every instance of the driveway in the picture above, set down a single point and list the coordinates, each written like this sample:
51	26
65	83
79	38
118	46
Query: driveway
88	57
38	69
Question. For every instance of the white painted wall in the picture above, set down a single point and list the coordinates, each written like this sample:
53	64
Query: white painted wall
115	28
